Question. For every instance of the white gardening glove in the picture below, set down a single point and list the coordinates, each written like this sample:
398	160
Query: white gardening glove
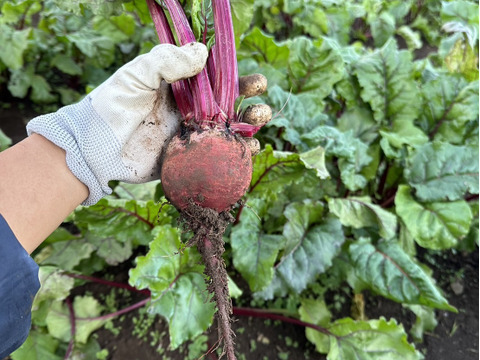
118	131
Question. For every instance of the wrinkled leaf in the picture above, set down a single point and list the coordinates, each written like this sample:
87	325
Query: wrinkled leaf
385	77
314	66
38	346
54	285
359	212
14	43
425	321
177	284
383	27
389	271
314	249
441	171
86	308
264	48
434	225
448	100
370	340
122	220
254	252
316	312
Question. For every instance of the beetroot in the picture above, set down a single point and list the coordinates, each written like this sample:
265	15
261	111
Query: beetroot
210	168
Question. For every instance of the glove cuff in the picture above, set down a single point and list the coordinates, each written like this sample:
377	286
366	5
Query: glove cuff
92	150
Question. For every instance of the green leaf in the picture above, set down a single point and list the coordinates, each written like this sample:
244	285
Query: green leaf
300	115
466	11
385	77
441	171
360	121
38	346
66	64
87	351
448	101
264	48
463	59
177	285
412	38
383	27
315	159
404	133
389	271
352	153
41	90
434	225
86	309
242	14
14	43
110	249
65	254
12	12
370	340
359	212
117	28
55	285
272	170
126	221
99	49
314	66
311	250
254	252
316	312
20	81
5	141
425	321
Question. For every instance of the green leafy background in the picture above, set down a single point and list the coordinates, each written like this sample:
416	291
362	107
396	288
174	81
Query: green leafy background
372	153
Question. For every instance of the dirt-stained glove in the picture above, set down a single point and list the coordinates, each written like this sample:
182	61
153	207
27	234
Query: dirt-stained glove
102	134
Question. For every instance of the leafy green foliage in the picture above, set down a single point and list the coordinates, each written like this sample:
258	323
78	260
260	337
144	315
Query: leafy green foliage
176	282
349	339
86	309
55	50
371	154
38	346
392	273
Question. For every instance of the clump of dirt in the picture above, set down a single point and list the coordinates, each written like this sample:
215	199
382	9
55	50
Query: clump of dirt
208	227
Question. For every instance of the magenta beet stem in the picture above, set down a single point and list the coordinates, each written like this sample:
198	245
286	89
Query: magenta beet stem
181	89
205	108
225	87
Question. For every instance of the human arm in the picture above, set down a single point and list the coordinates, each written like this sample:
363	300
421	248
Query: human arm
37	189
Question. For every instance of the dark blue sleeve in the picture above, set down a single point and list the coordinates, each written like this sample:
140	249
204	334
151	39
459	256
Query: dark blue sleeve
18	287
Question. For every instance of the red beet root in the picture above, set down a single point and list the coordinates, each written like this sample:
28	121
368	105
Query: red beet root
209	168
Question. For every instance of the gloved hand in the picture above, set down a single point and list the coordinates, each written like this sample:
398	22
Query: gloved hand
118	131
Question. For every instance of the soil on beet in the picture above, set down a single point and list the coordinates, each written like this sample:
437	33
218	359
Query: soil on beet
133	336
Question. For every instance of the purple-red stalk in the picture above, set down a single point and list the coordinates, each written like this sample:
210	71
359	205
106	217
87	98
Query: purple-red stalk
181	89
204	106
209	97
226	71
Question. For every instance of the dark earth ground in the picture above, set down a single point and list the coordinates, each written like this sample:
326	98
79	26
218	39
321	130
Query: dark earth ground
454	338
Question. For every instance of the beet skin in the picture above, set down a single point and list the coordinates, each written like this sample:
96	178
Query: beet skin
210	168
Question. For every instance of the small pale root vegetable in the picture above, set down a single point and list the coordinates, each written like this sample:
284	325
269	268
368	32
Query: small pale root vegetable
207	168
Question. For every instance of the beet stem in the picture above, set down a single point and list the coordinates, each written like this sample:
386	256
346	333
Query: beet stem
205	107
226	72
181	89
